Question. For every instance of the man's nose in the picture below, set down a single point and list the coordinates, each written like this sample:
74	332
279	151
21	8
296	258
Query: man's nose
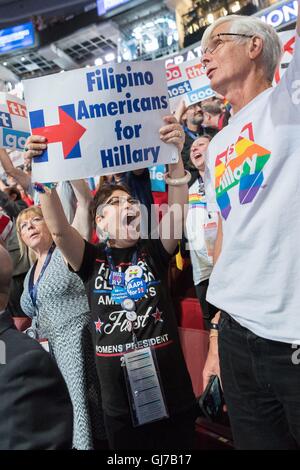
205	58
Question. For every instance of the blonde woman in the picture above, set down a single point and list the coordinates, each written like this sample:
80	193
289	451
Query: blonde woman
55	299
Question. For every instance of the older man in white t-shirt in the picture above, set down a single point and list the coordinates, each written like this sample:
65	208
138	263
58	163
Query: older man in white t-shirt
253	177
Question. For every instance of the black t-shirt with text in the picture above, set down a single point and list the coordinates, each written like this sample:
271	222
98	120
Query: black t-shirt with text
155	325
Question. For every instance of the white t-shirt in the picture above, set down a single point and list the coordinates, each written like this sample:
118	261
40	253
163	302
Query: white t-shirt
253	179
197	217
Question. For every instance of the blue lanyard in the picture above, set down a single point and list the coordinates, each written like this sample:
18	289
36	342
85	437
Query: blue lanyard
193	135
34	287
112	267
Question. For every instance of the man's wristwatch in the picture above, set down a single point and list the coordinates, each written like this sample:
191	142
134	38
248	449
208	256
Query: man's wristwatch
214	326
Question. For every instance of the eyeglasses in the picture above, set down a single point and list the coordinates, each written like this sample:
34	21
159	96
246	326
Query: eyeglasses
118	201
24	226
216	41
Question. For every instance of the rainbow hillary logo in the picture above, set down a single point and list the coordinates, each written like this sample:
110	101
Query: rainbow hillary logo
244	167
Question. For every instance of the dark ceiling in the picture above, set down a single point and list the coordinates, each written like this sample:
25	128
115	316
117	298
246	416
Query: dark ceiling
12	11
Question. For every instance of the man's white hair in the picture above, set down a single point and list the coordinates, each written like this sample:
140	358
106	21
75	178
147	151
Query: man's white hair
272	48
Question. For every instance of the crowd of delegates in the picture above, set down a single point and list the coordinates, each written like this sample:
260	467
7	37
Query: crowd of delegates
61	303
80	289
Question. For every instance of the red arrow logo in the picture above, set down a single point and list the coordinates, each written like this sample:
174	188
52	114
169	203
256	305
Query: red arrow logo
68	132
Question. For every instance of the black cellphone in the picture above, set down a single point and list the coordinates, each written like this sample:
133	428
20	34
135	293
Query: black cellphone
211	401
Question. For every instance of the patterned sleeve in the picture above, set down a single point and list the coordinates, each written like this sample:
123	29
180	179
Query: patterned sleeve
26	302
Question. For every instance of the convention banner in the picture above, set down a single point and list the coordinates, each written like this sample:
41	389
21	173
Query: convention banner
288	40
100	120
14	127
188	81
157	178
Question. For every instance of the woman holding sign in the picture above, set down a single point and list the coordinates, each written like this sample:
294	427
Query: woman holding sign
147	394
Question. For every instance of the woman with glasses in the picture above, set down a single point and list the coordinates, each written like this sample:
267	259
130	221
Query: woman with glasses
55	299
147	395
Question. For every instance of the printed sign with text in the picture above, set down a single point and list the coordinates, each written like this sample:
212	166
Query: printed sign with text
14	126
188	81
101	120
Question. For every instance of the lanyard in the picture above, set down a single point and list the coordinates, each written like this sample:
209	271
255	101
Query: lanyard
201	186
193	135
110	260
34	287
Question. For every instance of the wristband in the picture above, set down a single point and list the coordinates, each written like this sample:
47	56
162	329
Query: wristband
214	326
178	181
213	334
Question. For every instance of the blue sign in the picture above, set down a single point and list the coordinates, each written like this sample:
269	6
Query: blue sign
201	94
17	37
157	178
179	89
14	139
5	119
280	14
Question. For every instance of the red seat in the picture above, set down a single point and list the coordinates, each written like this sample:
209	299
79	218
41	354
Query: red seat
194	345
22	323
190	314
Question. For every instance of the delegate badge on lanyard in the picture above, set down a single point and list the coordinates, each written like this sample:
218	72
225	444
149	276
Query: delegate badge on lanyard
210	235
145	394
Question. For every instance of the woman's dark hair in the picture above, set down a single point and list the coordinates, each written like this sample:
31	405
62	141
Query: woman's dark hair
13	190
104	193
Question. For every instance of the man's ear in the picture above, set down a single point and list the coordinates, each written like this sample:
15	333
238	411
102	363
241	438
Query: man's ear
256	47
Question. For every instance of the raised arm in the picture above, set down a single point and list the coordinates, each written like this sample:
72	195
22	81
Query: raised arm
20	176
83	220
171	225
212	364
66	238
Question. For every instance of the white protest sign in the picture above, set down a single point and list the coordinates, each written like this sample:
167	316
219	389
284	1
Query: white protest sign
100	120
14	126
188	81
288	40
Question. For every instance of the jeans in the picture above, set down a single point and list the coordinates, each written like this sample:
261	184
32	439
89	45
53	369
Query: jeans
261	388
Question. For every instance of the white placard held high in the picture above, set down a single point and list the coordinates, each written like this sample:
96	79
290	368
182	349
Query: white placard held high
100	120
14	126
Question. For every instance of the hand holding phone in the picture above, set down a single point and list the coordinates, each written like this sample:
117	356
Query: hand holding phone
211	401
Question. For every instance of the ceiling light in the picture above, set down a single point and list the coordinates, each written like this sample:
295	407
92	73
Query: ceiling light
110	57
98	61
126	55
